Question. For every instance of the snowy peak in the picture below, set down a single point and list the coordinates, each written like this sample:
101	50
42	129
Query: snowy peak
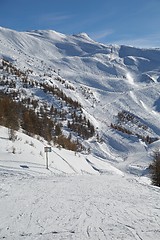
84	36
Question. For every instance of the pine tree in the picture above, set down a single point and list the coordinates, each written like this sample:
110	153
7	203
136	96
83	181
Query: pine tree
58	130
155	169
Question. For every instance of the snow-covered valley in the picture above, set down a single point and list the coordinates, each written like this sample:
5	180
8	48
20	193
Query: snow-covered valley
104	192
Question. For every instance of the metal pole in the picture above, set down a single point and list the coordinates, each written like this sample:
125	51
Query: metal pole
47	150
47	160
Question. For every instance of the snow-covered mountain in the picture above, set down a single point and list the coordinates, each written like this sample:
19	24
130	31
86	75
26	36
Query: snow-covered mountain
106	80
113	88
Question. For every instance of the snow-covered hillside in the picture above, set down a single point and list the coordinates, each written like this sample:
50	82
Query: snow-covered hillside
102	193
106	80
79	197
28	155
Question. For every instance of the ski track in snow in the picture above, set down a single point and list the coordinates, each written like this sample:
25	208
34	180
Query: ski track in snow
81	207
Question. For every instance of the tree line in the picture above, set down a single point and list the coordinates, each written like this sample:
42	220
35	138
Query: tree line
15	115
49	119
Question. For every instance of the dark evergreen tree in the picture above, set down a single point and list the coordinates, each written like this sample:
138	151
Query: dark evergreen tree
155	169
58	130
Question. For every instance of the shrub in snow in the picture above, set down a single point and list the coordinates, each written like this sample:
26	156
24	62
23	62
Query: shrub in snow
13	150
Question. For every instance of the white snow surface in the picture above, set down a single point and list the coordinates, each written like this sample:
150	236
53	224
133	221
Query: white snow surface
106	194
85	207
79	197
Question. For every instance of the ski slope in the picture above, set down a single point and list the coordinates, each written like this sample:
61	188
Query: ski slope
106	194
79	197
82	207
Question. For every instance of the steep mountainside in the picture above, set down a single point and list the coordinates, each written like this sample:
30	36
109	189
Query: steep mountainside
115	89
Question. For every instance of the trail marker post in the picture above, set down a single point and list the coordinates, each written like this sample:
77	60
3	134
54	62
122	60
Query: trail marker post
47	150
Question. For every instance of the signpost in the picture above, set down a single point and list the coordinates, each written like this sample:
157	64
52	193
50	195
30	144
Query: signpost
47	150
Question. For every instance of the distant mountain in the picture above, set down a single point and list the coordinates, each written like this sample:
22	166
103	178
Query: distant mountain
106	97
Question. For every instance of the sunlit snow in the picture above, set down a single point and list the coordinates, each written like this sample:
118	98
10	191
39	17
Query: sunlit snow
104	194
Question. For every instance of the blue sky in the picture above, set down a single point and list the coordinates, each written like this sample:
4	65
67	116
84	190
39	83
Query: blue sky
133	22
